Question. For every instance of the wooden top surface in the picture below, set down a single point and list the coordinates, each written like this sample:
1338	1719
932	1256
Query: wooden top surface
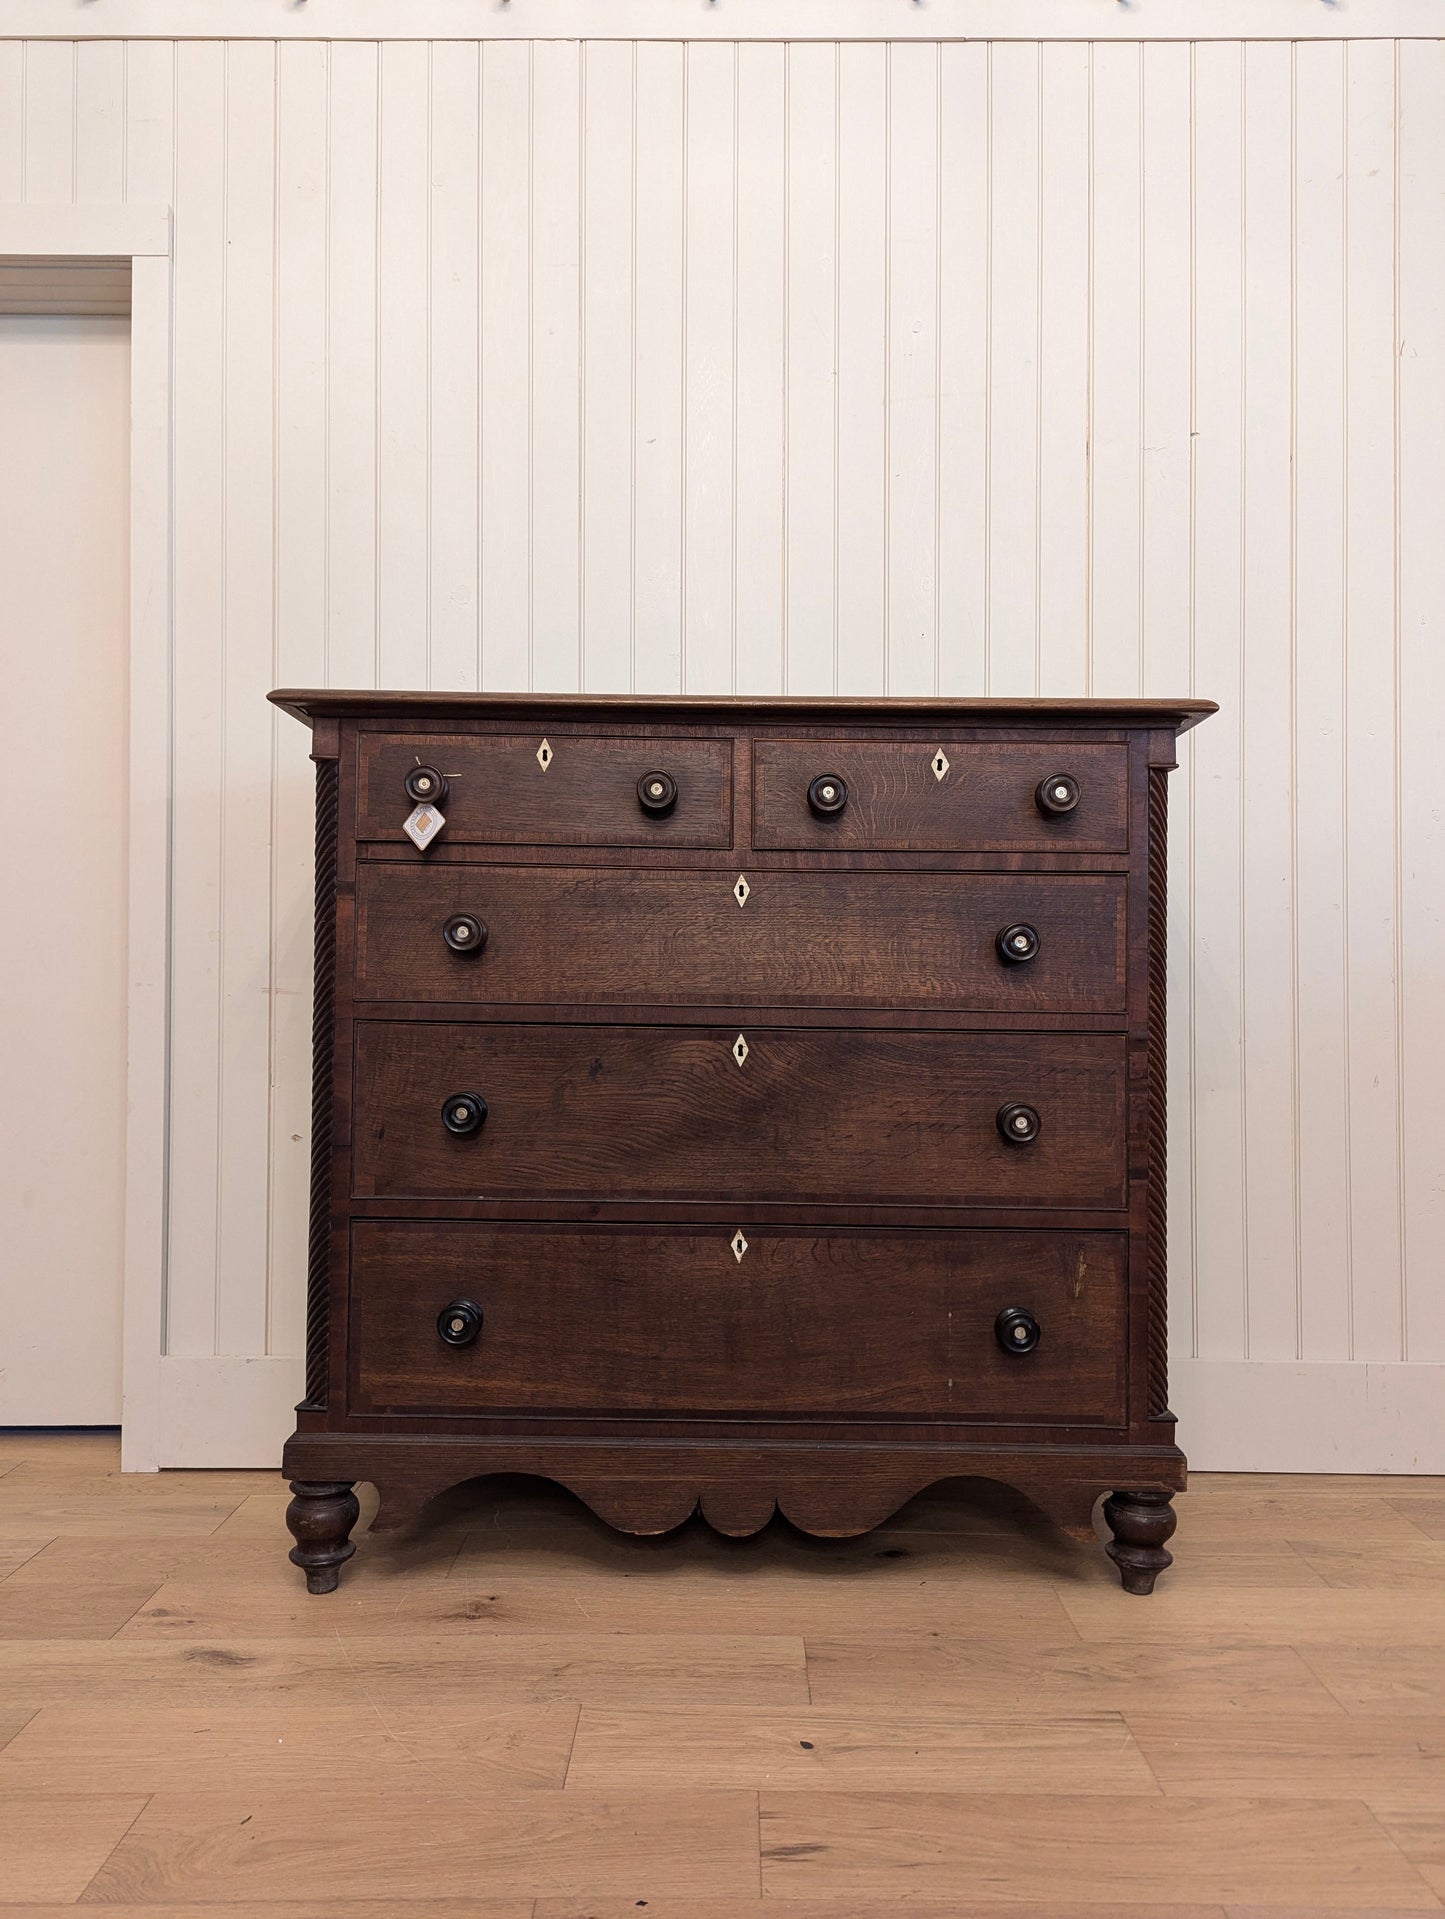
315	703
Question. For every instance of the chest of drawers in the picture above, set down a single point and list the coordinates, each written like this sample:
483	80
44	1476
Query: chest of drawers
738	1105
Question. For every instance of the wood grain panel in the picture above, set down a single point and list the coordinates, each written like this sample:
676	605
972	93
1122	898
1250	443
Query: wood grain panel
655	1320
666	1113
820	939
586	795
985	799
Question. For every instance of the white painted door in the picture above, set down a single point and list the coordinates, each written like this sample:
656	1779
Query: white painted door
64	385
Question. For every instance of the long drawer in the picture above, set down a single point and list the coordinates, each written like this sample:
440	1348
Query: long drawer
953	795
670	1321
594	936
672	1113
530	789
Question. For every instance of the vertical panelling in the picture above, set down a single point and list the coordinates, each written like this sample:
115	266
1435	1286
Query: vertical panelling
198	691
1267	873
1421	562
452	356
245	772
1371	872
913	530
810	378
758	559
710	332
555	358
303	72
1063	385
1014	399
608	156
1319	761
1217	1228
351	365
403	366
100	121
860	476
1164	586
1116	337
657	450
49	120
963	369
150	100
506	371
12	121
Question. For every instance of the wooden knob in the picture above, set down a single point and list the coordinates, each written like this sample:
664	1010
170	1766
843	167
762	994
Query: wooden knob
827	795
465	933
464	1113
1016	1330
459	1323
1058	794
1019	1125
657	793
1016	945
425	785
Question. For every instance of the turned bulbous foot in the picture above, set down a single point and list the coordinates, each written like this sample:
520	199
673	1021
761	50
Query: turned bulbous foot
320	1518
1141	1523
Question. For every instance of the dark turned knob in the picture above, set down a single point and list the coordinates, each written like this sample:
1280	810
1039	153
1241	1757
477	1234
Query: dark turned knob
425	785
465	933
463	1113
657	793
1020	1125
1016	945
1016	1330
1059	793
459	1323
827	795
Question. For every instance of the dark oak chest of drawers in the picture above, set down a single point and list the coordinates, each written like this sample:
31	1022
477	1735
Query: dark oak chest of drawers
744	1105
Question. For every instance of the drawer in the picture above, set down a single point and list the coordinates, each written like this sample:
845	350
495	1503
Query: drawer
985	801
666	1320
581	792
661	1113
603	937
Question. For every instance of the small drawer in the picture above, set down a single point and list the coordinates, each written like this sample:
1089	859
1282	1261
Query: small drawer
822	1115
552	789
517	935
669	1320
919	796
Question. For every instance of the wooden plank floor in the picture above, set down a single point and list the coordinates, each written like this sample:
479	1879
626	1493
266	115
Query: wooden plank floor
512	1713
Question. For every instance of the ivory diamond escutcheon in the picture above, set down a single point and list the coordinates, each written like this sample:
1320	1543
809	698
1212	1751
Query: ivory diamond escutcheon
739	1049
739	1245
939	763
741	891
544	755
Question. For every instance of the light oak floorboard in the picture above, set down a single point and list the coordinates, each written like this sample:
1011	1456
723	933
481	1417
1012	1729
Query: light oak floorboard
391	1673
1425	1512
825	1748
240	1848
286	1747
862	1908
1256	1616
305	1909
1380	1758
886	1673
17	1553
63	1609
1332	1853
50	1848
1373	1678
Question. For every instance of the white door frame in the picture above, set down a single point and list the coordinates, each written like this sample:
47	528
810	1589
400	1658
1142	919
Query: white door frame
140	236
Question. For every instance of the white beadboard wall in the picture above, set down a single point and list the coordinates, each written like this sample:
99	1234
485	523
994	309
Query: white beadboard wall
865	368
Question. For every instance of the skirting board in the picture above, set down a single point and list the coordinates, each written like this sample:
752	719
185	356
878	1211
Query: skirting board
1235	1416
226	1411
1276	1416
